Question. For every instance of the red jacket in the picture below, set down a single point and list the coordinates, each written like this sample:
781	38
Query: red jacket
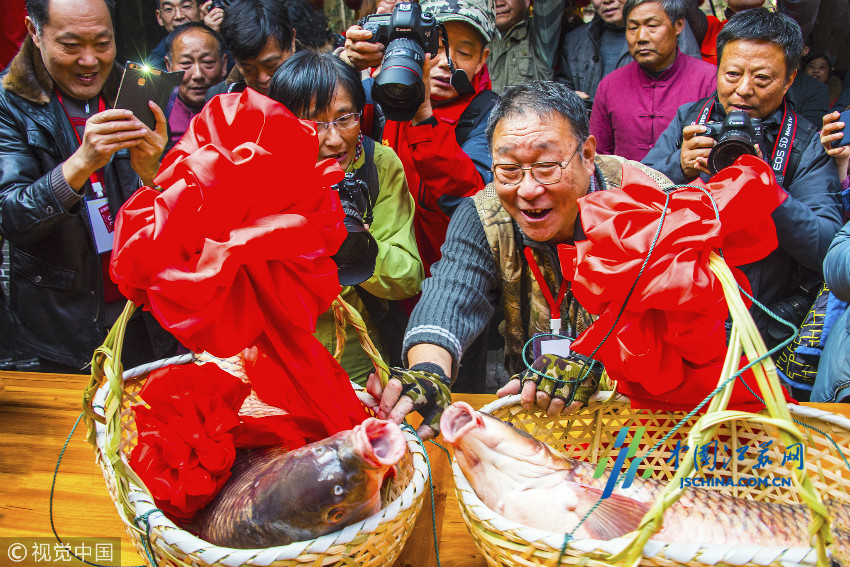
435	165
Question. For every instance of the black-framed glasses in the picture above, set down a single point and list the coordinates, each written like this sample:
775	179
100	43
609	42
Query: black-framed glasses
344	122
544	172
184	7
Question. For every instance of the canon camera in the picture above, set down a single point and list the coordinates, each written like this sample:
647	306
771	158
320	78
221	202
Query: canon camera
408	34
736	136
355	259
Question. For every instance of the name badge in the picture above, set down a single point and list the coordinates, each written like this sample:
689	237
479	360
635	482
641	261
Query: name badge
547	344
102	224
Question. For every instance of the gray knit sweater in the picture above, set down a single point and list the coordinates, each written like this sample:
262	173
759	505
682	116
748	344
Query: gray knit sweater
461	295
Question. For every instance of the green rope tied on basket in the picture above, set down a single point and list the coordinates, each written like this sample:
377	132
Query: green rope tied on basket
406	426
147	540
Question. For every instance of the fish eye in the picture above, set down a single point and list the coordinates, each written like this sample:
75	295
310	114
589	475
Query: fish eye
338	490
335	514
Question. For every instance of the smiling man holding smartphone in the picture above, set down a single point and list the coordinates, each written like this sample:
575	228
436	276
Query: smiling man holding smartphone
68	161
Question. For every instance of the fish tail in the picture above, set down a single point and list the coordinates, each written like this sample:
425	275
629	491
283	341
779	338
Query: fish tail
840	548
840	530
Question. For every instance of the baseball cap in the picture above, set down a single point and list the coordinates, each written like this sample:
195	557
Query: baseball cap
480	14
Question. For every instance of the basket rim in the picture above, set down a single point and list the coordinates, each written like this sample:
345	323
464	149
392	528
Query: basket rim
190	544
599	398
682	552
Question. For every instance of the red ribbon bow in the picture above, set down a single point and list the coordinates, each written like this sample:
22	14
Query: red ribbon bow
667	348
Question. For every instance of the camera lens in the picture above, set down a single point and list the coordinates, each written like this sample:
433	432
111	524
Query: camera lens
398	88
728	148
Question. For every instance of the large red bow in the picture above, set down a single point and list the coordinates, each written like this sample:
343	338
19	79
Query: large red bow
236	252
667	347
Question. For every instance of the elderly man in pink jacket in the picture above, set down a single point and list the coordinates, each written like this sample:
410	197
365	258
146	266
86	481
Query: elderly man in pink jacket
635	103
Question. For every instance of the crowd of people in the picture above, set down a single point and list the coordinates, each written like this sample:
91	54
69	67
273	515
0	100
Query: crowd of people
469	197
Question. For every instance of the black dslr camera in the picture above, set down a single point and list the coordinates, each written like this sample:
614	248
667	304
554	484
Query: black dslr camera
223	4
735	136
355	259
408	34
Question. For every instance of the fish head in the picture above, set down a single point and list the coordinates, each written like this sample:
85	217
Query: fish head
335	482
483	437
527	481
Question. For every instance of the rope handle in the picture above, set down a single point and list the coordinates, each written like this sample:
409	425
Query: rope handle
744	338
345	313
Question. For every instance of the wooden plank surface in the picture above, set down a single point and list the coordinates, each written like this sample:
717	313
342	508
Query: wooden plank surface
37	412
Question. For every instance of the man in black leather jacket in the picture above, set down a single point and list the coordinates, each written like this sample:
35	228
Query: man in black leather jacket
67	160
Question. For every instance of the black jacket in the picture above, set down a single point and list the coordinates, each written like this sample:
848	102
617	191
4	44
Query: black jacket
56	284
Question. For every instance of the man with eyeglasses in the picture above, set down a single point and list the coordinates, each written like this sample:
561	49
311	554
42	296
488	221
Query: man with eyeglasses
171	14
501	247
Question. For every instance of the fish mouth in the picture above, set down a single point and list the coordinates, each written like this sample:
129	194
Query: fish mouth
458	419
381	442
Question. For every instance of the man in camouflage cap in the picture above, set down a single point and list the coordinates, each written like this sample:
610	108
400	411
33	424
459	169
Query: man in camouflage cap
444	148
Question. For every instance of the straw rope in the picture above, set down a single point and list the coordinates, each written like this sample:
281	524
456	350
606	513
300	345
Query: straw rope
107	404
589	435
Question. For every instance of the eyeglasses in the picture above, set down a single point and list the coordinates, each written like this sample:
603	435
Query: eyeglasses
344	122
544	172
184	7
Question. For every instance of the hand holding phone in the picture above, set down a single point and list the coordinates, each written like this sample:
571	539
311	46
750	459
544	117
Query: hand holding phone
845	139
835	138
139	84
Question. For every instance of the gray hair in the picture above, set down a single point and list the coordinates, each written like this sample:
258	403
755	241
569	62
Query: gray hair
675	9
543	98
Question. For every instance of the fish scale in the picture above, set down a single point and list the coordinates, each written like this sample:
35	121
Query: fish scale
498	460
276	497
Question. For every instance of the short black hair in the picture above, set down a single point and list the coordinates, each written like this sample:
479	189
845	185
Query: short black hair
310	23
765	25
675	9
543	98
306	83
37	11
248	24
188	26
812	56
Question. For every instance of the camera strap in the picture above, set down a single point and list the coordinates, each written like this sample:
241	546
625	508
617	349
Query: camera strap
784	140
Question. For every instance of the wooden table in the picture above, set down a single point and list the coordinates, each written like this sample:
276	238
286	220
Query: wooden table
37	412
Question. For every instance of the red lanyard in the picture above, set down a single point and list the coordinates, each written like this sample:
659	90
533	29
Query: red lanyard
554	305
96	178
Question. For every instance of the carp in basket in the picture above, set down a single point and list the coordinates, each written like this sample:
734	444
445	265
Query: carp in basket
526	481
276	497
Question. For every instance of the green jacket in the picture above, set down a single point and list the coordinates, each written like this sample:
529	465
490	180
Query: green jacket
527	51
398	269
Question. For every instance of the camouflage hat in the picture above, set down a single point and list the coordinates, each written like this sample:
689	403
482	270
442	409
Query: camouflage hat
481	14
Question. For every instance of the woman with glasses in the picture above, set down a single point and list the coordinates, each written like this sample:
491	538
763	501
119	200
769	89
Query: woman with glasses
321	88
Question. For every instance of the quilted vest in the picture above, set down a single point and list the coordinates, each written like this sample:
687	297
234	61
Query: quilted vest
525	308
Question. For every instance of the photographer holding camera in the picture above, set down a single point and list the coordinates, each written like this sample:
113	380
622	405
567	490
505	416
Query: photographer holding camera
382	262
758	56
436	117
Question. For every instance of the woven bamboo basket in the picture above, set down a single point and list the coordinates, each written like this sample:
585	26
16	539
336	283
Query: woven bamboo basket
590	435
108	402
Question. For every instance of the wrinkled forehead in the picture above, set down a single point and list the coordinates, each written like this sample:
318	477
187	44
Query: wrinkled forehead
79	17
196	40
753	53
528	128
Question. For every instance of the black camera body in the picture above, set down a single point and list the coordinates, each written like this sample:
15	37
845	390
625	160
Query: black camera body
223	4
408	34
737	135
355	258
